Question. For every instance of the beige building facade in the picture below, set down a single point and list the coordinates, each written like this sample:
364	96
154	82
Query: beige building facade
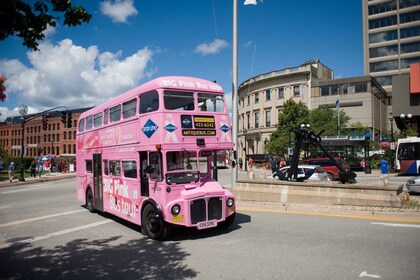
262	98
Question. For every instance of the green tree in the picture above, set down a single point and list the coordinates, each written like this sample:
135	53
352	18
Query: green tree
327	119
359	128
293	115
18	18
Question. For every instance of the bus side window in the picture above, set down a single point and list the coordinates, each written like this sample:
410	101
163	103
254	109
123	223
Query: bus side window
106	168
129	168
82	125
114	168
129	108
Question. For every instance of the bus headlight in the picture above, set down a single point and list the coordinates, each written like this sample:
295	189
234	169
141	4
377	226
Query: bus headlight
230	202
176	209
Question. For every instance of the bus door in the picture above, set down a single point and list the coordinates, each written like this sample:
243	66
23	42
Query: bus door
144	183
97	182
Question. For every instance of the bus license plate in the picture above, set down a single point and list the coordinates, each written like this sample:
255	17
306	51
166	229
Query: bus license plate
206	224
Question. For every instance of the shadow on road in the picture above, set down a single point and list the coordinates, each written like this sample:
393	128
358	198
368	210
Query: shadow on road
103	258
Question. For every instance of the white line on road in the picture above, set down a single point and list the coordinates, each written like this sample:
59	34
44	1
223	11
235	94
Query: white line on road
30	189
40	218
57	233
365	274
396	225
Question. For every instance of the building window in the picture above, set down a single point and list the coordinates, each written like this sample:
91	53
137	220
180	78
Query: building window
268	95
257	98
325	91
382	22
405	62
410	32
257	119
296	91
382	8
248	117
383	51
409	3
409	17
410	47
384	66
267	118
249	100
281	93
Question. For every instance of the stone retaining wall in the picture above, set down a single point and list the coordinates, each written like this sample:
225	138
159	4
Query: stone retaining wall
332	193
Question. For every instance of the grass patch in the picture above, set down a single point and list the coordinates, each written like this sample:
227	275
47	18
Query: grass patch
411	204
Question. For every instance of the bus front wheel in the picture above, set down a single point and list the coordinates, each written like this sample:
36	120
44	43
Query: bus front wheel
89	201
153	224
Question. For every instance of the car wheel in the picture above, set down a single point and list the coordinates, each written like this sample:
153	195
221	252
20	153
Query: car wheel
330	177
153	224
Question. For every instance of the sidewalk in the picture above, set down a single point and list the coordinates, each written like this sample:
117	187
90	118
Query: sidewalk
44	178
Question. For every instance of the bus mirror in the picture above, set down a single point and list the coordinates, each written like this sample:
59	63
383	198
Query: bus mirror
233	163
149	169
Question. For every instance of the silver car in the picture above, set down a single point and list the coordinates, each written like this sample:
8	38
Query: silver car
413	185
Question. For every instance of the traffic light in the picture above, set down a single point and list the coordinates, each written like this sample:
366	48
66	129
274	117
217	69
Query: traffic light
64	117
44	122
69	119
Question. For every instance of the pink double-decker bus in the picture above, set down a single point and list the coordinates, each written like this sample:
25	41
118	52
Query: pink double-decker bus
146	156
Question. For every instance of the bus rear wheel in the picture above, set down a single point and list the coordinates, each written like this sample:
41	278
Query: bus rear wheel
153	224
89	201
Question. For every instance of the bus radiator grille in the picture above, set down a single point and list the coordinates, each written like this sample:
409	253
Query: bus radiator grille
202	210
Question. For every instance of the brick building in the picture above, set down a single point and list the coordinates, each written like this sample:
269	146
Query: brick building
56	139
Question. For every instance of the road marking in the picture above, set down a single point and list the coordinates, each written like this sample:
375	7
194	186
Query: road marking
57	233
40	218
365	274
395	225
329	215
29	189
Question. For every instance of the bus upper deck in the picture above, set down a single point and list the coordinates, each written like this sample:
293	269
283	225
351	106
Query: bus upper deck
170	111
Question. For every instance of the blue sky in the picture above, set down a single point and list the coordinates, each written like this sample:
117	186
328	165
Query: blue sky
130	42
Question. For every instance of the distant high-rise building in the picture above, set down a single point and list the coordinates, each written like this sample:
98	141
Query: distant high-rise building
391	38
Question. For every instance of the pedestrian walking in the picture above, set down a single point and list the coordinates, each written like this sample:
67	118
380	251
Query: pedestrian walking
240	163
250	162
40	168
363	164
33	168
273	165
11	171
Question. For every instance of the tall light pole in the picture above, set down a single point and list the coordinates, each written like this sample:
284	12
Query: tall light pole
23	110
392	146
406	120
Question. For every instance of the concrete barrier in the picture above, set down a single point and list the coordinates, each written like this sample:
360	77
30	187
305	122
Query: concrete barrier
332	193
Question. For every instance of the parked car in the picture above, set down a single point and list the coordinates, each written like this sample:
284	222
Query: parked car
305	172
328	165
413	185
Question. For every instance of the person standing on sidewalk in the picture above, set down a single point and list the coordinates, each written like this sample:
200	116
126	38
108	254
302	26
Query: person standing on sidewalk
11	171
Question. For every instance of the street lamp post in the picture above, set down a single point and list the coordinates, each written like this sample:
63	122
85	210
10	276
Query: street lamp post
23	110
245	160
392	147
406	120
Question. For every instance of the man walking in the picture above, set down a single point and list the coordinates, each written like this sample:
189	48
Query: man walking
11	171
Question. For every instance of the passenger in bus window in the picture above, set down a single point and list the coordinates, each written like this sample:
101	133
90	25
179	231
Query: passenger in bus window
154	106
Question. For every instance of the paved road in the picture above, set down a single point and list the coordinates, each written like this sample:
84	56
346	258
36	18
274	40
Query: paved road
46	234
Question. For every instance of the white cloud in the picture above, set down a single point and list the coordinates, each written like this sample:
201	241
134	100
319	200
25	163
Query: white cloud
212	48
73	76
119	10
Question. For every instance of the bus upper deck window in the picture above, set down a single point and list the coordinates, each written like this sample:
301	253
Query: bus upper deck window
129	108
89	122
97	120
115	113
210	102
178	100
82	125
149	102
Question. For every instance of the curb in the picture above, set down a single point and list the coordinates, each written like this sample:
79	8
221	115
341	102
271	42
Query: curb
30	180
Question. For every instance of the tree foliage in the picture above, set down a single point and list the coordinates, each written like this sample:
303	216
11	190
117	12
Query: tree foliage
20	19
326	120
